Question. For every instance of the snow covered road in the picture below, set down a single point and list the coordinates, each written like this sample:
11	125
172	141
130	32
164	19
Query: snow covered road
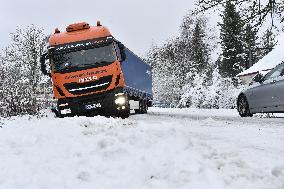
168	148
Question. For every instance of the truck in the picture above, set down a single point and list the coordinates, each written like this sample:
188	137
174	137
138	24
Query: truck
94	73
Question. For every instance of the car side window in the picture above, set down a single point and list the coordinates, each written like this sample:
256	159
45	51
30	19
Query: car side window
278	71
282	73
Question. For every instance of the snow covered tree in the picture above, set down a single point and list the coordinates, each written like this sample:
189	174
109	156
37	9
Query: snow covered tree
21	84
168	71
250	46
233	58
267	43
254	11
196	42
199	46
220	93
180	57
183	72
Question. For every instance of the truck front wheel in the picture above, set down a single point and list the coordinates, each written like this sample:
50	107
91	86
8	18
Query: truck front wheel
124	113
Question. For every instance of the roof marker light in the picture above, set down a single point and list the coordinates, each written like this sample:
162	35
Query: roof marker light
99	23
56	31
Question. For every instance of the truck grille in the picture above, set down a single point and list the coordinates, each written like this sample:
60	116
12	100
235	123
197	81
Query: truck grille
83	88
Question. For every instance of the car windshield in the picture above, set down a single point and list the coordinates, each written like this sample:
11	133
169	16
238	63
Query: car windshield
82	58
278	71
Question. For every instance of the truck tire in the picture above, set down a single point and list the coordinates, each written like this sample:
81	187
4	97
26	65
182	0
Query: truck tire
140	110
124	113
55	111
145	107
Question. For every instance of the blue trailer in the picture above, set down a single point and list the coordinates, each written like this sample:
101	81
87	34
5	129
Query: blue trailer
138	82
137	76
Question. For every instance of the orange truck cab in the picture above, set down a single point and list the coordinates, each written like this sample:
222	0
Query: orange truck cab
92	72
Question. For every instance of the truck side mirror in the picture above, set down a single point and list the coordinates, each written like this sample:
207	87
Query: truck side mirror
122	51
258	78
43	65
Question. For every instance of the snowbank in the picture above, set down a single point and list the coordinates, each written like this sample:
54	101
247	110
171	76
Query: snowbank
166	149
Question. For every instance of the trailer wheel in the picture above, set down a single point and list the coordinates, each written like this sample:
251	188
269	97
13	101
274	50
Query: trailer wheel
145	107
140	110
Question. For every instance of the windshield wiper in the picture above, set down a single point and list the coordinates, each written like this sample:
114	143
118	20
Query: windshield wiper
94	63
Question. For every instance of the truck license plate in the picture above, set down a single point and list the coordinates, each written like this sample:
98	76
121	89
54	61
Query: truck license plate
93	106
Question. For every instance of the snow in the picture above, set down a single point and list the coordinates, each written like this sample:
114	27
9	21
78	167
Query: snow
168	148
275	57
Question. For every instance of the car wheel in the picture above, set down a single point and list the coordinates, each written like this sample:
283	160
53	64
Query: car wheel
243	107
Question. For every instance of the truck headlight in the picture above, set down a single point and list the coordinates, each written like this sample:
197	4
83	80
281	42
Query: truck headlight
120	100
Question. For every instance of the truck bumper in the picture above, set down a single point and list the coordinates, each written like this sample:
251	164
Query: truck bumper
107	103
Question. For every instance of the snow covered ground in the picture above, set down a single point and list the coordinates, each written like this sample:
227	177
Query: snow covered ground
168	148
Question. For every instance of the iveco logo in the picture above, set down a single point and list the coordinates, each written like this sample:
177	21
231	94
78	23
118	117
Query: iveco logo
87	79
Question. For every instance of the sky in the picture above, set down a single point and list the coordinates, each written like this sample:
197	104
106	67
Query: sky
138	24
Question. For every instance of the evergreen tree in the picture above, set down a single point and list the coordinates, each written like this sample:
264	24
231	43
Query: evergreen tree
233	59
200	51
254	11
251	46
267	43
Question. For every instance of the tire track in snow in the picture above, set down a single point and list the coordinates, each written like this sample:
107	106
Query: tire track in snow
273	121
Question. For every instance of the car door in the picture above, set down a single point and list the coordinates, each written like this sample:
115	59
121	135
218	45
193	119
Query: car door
263	95
279	90
260	95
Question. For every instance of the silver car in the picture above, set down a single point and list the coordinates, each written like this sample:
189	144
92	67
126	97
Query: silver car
265	95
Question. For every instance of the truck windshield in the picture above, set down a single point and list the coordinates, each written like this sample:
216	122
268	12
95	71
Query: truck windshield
83	58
